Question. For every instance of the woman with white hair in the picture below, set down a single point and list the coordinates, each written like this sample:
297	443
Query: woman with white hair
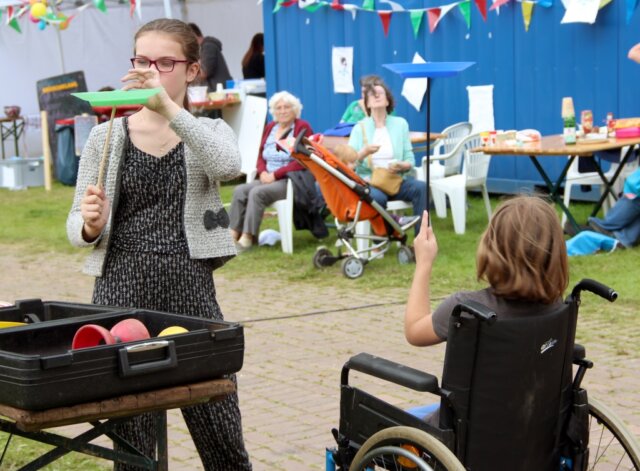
251	199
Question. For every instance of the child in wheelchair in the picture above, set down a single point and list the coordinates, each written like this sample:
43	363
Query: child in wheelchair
523	257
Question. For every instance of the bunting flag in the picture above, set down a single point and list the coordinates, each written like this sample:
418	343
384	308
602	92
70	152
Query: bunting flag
351	8
527	10
368	5
385	17
278	5
433	15
100	5
604	3
549	3
132	7
13	22
631	7
335	5
465	9
394	6
498	4
416	20
482	6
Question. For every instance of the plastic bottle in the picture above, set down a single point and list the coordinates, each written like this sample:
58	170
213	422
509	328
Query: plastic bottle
569	121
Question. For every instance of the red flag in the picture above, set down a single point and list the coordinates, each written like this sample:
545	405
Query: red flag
289	3
482	6
132	7
335	4
385	17
433	15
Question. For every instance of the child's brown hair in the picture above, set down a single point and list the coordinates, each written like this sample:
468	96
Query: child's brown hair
522	253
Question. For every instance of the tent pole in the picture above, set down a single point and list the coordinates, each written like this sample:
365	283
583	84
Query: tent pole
60	52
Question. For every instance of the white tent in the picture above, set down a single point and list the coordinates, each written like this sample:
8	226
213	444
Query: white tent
100	44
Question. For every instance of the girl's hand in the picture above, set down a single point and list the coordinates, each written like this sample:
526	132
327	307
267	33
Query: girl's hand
95	209
425	244
148	78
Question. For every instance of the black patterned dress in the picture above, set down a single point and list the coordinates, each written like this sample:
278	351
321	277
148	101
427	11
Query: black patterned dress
148	267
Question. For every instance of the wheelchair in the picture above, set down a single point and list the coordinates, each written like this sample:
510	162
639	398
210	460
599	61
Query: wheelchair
509	400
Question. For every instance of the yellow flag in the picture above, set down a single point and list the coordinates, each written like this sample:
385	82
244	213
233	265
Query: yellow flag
527	10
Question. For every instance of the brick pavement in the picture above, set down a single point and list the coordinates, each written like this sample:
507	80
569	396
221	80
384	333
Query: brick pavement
289	385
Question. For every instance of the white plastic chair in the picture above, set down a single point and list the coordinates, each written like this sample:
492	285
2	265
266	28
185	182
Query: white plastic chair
475	167
443	147
592	178
284	208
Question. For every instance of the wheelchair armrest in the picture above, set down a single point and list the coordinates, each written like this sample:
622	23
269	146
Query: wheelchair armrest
477	310
391	371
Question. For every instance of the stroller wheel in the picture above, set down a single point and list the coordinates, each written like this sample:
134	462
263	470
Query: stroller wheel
352	267
319	258
406	255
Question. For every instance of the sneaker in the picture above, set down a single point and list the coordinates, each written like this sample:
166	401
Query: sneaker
595	226
408	221
571	230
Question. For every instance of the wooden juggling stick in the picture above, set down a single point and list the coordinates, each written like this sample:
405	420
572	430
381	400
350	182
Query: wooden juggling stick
105	151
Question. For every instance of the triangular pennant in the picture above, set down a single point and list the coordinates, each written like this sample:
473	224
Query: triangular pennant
416	20
549	3
394	6
335	5
482	6
15	25
288	3
368	5
132	7
465	9
278	5
313	8
631	7
306	3
604	3
527	10
433	15
498	4
385	17
100	5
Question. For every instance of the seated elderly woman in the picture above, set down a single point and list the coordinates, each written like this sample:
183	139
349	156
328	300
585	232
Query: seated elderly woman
383	141
251	199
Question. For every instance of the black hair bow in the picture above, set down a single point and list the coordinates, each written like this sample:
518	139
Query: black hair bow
214	220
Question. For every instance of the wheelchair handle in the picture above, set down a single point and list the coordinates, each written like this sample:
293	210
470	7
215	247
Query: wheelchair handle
477	310
595	287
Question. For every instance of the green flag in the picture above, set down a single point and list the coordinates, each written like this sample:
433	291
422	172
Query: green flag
15	25
278	5
316	6
465	9
416	20
368	5
100	5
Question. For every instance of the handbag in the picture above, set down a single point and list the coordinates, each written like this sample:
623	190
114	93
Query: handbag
382	178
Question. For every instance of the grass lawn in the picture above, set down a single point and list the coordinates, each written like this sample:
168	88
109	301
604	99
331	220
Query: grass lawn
34	221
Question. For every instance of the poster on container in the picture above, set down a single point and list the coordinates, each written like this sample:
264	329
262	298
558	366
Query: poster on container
342	67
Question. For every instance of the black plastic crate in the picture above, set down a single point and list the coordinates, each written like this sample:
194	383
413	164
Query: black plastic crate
36	310
39	370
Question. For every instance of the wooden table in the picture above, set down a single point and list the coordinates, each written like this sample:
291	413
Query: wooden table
29	424
11	127
418	140
212	108
554	146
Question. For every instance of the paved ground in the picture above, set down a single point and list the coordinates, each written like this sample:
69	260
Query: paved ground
295	347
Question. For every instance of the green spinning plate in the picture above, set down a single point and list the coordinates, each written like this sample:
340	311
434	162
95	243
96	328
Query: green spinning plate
118	97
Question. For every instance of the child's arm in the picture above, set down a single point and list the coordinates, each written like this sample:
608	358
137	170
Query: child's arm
418	323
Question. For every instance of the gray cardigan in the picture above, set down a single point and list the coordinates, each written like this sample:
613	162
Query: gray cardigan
211	154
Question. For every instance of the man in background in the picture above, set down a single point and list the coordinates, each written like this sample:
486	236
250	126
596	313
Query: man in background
214	68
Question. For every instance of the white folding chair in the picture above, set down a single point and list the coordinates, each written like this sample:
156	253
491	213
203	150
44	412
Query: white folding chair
475	167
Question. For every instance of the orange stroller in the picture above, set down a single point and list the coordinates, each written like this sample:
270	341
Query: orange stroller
347	197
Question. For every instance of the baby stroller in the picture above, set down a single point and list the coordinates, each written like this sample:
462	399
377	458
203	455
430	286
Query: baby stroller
348	198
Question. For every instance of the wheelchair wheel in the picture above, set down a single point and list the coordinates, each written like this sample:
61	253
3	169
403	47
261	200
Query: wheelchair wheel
611	445
352	267
381	451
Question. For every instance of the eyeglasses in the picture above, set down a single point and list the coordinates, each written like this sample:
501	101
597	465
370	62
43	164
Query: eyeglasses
162	65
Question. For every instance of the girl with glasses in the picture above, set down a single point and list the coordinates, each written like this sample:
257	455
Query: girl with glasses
158	228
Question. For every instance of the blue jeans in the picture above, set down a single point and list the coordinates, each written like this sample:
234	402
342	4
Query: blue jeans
623	220
410	190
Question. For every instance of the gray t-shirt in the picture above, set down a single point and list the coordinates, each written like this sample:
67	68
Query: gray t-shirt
504	308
